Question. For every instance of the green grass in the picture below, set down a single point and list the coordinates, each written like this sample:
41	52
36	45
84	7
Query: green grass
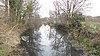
92	26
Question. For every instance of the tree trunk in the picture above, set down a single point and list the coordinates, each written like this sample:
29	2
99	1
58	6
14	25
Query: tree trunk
6	8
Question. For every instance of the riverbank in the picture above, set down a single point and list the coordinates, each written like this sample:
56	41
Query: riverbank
87	37
9	40
10	33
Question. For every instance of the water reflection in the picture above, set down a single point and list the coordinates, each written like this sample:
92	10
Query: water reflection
48	42
56	44
53	43
30	41
45	42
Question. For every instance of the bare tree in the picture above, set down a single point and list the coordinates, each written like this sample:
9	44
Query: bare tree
6	7
69	7
66	11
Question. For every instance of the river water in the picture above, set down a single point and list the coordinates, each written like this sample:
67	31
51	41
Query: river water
45	41
48	42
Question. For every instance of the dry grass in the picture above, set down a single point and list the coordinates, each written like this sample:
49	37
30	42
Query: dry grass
8	39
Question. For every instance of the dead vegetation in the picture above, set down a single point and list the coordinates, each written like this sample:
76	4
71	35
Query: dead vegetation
9	39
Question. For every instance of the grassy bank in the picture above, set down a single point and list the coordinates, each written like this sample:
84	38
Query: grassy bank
88	37
9	40
10	35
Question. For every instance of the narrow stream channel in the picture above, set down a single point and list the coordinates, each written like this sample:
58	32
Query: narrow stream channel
50	43
45	41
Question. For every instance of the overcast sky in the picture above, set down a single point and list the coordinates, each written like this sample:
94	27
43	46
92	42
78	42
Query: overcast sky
47	5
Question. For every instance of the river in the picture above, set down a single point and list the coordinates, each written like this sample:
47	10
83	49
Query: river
47	42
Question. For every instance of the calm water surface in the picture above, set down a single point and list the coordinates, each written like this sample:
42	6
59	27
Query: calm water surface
52	43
